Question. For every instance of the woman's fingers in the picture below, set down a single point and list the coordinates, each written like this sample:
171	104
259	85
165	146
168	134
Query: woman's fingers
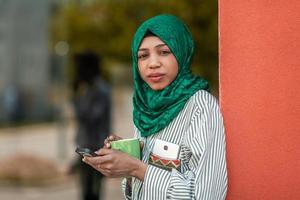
109	139
112	137
103	151
107	145
107	142
96	166
87	161
111	163
105	156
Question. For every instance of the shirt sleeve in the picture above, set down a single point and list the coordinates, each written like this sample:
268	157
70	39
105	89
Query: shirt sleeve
206	178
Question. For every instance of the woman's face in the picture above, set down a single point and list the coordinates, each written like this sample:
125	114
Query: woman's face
157	65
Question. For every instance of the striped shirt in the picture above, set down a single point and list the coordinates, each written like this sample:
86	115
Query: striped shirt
199	131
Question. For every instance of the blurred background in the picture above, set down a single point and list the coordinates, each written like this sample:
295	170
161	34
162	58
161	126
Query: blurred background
38	41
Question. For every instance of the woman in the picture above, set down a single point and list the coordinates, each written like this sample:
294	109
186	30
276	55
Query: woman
171	106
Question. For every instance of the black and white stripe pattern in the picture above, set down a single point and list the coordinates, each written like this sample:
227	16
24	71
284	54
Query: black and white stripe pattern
199	130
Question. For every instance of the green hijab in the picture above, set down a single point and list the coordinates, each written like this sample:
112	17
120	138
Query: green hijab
154	110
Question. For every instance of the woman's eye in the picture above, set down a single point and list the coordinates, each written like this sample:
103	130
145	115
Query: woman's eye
165	52
142	56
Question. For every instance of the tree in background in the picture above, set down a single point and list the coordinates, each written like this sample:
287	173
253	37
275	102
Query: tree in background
107	27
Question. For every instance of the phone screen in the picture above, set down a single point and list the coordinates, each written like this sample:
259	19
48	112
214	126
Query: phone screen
85	152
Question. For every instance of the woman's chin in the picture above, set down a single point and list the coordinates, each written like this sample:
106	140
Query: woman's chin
157	87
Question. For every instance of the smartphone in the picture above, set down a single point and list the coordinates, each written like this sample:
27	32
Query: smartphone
85	152
166	150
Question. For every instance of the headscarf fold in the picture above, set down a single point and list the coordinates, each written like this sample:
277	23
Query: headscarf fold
154	110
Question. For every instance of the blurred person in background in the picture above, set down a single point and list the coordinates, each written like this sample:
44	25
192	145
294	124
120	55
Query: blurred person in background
92	104
13	104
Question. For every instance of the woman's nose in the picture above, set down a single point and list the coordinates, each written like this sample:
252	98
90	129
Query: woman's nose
154	62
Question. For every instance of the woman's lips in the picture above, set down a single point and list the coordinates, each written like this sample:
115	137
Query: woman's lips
156	77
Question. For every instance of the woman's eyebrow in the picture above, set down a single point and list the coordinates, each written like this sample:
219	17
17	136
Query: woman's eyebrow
142	49
157	46
160	45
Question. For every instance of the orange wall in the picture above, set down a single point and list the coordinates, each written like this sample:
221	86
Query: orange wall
259	50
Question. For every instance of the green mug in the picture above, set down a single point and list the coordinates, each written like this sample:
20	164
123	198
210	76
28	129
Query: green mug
130	146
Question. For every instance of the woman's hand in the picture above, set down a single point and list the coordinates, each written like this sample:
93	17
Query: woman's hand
113	163
109	139
113	137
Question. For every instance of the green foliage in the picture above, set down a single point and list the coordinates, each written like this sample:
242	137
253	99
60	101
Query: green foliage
107	27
